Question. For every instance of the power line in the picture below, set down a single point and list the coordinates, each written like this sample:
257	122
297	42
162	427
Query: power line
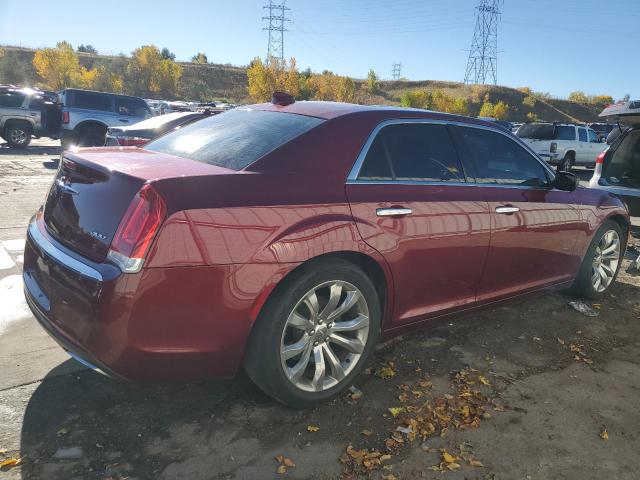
397	68
483	56
276	28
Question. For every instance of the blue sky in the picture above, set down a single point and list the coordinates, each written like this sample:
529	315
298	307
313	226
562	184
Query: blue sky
549	45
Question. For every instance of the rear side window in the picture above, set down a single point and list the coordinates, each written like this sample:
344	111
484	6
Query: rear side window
134	107
234	139
414	152
35	103
92	101
500	160
12	100
564	132
593	136
582	135
538	131
623	165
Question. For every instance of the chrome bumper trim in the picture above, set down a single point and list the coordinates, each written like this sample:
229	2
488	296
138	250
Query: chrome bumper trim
59	256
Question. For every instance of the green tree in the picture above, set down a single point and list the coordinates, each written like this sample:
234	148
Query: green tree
372	81
167	55
87	49
416	99
200	58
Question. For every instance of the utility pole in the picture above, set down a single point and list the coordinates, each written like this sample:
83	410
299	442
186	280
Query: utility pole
276	28
395	73
482	66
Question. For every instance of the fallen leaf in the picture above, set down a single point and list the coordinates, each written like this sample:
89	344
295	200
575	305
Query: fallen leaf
483	380
389	476
312	428
475	463
366	433
395	411
560	341
289	463
453	466
385	372
447	457
604	434
279	458
3	451
281	469
62	431
10	462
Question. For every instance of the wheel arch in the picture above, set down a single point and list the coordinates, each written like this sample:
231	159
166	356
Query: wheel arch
374	268
569	151
85	124
17	121
624	224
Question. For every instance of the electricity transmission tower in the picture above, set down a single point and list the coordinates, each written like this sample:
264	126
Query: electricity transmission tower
395	73
482	65
276	28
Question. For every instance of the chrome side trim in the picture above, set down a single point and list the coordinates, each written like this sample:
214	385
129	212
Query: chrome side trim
507	210
59	256
393	212
355	170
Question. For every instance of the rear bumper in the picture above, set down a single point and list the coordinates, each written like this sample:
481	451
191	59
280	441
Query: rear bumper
173	324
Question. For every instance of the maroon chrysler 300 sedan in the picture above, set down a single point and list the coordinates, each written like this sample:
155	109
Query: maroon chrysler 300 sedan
289	237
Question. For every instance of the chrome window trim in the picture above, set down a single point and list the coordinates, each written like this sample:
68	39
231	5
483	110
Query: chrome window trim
59	256
355	170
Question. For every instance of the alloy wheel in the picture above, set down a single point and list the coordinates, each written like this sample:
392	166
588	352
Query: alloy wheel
18	136
605	261
325	336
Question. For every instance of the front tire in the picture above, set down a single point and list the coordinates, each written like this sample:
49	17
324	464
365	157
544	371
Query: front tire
315	334
568	162
18	136
602	262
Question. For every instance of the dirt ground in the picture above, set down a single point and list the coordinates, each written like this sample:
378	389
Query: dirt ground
533	390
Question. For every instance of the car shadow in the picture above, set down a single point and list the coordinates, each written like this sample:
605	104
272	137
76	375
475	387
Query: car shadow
29	151
100	415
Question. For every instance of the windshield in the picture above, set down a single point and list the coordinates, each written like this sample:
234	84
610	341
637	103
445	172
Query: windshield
234	139
155	122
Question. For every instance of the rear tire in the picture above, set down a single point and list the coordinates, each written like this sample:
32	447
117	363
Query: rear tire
568	162
601	263
302	351
91	137
18	136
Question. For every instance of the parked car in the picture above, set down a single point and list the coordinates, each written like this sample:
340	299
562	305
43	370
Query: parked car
601	129
146	130
25	113
289	237
618	168
86	115
565	145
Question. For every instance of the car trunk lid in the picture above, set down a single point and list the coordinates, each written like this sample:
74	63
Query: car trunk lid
94	188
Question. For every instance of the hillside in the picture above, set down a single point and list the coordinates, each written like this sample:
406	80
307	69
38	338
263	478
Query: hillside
214	81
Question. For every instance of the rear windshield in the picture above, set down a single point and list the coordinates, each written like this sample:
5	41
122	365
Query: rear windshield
234	139
538	131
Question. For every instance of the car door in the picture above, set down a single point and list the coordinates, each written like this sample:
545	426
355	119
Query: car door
582	153
534	228
34	112
411	201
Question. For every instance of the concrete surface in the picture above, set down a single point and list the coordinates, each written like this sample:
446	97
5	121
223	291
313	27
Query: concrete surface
547	409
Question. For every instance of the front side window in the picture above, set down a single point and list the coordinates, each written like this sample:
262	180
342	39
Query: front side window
234	139
132	106
12	100
413	152
593	136
582	135
500	160
564	132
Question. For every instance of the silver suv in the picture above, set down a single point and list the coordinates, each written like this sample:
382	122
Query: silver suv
25	113
86	115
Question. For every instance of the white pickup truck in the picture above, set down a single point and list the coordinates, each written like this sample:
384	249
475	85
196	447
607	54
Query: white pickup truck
563	144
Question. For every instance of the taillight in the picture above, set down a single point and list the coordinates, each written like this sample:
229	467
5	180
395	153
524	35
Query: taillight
554	147
131	141
600	158
65	117
137	230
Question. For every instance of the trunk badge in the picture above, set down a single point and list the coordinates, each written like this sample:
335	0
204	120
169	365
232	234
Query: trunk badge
98	235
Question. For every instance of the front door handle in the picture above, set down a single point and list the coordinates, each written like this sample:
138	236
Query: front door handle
393	212
507	210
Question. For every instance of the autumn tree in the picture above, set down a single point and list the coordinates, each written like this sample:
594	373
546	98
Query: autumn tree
149	73
416	99
102	80
501	111
578	97
58	67
264	78
200	58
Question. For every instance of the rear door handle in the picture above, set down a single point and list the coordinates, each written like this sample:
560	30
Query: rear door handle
393	212
507	210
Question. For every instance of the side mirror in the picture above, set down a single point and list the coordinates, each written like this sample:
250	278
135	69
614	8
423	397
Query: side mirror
566	181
